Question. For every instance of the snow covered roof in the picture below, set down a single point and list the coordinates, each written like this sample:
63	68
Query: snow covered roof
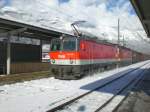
142	9
32	31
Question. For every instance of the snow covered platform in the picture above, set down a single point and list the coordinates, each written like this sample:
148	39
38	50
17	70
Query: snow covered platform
43	94
139	98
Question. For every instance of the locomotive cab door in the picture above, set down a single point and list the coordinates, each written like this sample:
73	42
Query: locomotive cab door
91	61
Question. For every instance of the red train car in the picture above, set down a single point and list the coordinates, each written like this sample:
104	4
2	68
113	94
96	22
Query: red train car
72	57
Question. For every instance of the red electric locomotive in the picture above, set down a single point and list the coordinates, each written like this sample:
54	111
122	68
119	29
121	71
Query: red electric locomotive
72	56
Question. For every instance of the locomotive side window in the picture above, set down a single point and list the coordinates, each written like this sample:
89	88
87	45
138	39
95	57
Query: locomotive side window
55	45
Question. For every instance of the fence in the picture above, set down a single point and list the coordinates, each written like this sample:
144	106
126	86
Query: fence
29	67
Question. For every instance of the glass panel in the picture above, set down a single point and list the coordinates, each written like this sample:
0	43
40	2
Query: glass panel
65	44
69	45
55	45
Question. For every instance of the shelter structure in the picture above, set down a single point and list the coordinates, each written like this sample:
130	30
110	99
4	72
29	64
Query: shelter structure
20	57
142	9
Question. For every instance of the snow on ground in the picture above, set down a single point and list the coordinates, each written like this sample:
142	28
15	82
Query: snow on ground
92	101
39	95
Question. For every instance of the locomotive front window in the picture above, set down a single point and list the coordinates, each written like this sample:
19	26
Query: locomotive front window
69	45
56	45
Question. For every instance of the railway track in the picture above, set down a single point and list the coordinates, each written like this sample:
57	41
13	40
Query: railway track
132	83
102	96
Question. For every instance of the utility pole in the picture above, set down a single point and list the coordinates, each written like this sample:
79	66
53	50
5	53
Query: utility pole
118	49
118	32
8	54
124	41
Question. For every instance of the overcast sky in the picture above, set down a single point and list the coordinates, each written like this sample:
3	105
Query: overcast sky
101	17
96	12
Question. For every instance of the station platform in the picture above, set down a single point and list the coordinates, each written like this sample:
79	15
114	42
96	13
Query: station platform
138	99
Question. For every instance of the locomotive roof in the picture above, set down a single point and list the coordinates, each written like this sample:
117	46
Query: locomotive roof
97	40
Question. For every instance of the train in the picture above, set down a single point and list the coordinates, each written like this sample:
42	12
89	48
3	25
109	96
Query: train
72	57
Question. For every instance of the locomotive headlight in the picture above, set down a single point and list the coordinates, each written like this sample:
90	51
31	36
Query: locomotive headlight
71	61
53	61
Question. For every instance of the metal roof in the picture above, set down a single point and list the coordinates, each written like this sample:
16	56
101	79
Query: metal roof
28	30
142	8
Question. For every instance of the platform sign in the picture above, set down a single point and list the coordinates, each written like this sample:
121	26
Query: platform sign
45	51
45	57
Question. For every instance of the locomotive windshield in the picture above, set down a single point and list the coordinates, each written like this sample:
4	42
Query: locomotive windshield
69	44
65	44
56	45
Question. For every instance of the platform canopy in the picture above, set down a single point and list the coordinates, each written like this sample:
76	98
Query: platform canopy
142	8
27	30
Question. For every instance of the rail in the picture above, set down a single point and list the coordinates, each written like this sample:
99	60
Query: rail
68	103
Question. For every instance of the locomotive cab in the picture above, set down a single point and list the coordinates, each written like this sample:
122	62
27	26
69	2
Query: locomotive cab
64	51
64	54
